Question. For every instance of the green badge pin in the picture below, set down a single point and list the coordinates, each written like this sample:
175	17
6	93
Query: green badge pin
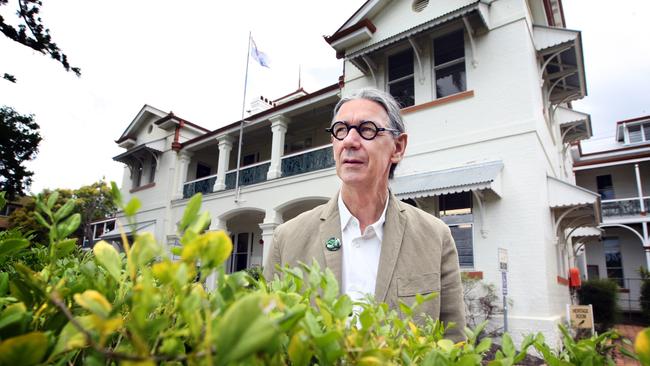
333	244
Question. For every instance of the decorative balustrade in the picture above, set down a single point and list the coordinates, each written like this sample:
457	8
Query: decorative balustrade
249	175
624	207
307	161
203	185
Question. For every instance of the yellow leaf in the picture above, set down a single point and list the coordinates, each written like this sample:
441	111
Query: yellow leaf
642	346
414	328
94	301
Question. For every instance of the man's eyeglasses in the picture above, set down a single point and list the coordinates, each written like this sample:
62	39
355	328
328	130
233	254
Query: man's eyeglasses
368	130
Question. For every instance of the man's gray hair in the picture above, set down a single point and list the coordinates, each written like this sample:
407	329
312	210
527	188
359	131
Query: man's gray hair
386	101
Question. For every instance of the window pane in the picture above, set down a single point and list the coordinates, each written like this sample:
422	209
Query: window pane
646	131
450	80
403	91
400	65
634	133
242	243
240	261
456	204
448	48
462	235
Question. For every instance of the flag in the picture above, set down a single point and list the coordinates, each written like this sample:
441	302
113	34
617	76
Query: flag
258	55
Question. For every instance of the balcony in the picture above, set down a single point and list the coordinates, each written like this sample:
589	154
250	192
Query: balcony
623	207
307	161
250	175
203	185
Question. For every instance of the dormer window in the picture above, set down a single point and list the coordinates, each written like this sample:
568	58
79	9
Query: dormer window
401	83
637	133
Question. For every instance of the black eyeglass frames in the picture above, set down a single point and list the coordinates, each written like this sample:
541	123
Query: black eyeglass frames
368	130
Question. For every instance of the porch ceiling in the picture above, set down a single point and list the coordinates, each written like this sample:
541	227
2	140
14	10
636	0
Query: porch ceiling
484	176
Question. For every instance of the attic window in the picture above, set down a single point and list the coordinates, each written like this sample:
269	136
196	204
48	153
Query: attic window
419	5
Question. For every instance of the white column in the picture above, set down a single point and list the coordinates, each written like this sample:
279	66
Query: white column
217	225
225	146
279	129
271	221
184	158
644	225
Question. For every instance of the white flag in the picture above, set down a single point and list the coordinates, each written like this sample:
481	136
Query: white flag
259	56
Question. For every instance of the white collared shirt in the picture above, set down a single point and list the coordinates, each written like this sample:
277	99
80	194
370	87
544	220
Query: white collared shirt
360	253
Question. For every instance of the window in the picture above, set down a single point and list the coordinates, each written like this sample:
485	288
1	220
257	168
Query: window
401	78
449	64
638	133
593	272
456	211
463	237
250	159
137	176
152	171
455	204
613	260
605	186
242	250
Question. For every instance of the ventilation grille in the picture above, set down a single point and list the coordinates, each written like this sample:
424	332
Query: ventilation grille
419	5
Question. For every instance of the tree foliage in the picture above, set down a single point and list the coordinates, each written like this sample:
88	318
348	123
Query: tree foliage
31	32
92	202
19	139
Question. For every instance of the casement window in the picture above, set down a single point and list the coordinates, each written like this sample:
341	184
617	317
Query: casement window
137	176
605	187
152	171
614	260
401	80
637	133
449	64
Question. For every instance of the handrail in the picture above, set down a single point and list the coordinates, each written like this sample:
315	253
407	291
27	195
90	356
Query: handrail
624	199
200	179
306	151
249	166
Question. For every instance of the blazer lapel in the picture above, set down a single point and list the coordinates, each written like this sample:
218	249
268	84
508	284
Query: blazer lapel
391	243
330	227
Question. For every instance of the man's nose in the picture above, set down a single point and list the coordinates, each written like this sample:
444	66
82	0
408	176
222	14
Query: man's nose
353	138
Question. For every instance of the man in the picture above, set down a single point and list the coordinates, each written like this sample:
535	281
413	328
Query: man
374	243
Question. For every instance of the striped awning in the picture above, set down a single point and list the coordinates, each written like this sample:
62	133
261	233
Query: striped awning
574	125
483	176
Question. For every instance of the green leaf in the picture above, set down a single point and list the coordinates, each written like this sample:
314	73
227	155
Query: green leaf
71	337
191	212
41	220
51	201
4	283
116	194
25	350
95	302
108	258
12	314
201	223
343	307
483	345
299	352
3	201
216	248
65	247
69	226
507	346
12	246
132	207
144	249
64	210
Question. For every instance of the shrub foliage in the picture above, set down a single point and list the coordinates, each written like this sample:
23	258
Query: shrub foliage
139	307
603	296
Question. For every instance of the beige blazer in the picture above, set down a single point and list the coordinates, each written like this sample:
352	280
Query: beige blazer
418	255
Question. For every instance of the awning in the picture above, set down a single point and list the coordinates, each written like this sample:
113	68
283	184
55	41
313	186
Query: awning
563	65
129	230
477	7
574	125
573	206
136	156
588	232
484	176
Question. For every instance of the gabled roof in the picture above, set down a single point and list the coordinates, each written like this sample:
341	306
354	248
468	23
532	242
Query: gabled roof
146	112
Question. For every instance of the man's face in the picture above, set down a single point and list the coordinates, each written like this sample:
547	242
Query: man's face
364	163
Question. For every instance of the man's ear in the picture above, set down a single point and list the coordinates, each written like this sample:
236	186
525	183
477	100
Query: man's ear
400	148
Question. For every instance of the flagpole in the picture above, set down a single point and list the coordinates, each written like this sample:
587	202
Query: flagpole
241	125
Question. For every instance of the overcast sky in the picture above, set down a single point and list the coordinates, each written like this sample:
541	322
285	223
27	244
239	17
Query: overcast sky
189	57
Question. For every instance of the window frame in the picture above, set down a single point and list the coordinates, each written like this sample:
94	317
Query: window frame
615	239
435	68
643	126
388	82
602	190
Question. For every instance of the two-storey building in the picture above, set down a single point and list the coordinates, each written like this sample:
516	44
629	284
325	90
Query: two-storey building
485	87
618	168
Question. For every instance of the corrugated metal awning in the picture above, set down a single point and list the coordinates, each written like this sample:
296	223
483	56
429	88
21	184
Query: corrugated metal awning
588	232
573	206
484	176
574	125
561	52
475	6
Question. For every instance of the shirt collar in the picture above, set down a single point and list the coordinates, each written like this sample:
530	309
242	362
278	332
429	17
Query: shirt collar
346	217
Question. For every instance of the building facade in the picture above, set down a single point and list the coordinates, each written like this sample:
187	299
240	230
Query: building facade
618	169
485	87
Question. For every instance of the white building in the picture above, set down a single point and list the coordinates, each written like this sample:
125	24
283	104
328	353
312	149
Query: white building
485	85
618	168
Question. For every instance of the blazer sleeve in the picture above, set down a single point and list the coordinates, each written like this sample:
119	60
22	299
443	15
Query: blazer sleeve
452	306
274	257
